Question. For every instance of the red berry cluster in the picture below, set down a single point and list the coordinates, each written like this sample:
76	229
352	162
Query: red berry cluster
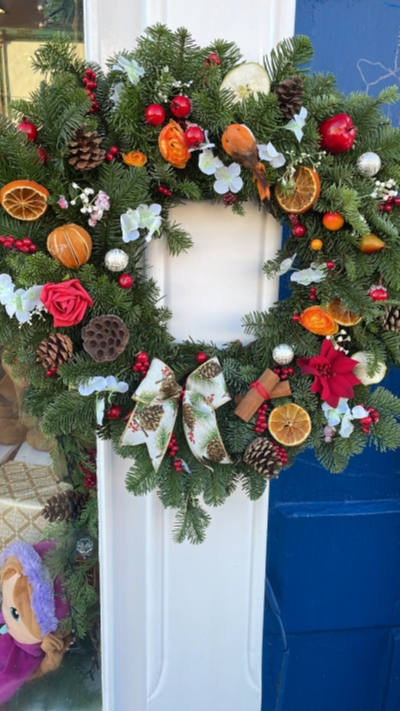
212	59
261	421
173	448
165	191
112	153
312	294
90	84
114	412
142	363
90	479
283	372
281	452
22	245
298	230
51	371
390	203
229	198
371	419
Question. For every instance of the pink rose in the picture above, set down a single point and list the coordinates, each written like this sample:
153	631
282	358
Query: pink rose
66	302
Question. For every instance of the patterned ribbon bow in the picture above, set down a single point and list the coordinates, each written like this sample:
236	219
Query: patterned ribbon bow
157	402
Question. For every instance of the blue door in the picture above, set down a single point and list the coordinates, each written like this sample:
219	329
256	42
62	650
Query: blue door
332	615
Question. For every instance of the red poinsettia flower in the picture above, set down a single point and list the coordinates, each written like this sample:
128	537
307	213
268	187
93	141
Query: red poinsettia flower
332	371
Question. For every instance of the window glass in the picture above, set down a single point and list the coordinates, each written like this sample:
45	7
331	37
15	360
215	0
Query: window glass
30	476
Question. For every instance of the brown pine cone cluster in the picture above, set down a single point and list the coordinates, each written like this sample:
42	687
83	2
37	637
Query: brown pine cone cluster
64	506
85	152
290	95
261	454
55	350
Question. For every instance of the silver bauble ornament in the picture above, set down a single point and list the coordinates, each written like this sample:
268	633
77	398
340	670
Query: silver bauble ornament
85	547
283	354
369	164
116	260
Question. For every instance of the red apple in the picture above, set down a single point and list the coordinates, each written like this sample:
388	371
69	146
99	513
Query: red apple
337	133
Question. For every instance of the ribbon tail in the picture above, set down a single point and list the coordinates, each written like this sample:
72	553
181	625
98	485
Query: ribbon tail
201	431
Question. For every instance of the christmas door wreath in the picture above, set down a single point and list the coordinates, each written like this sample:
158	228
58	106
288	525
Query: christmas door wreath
89	175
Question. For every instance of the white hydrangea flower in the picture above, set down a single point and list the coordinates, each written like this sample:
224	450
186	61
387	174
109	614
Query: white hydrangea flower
130	223
310	275
343	415
115	96
130	66
297	123
150	218
228	178
6	288
286	265
208	162
269	153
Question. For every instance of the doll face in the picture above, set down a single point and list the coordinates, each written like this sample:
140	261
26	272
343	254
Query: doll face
16	627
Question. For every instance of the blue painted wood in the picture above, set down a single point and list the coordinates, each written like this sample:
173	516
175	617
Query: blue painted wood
333	542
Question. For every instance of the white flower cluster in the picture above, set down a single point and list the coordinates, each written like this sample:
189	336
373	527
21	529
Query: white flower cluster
20	303
145	217
384	190
166	84
94	207
341	415
99	384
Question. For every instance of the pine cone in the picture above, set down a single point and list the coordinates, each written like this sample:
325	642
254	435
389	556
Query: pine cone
150	417
209	370
105	338
215	450
290	96
55	350
85	152
188	416
390	320
170	387
64	506
263	457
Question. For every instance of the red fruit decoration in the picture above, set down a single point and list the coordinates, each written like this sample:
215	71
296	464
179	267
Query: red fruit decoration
201	357
114	412
299	230
214	59
125	281
154	115
29	128
42	155
377	292
337	133
180	106
333	221
142	363
194	135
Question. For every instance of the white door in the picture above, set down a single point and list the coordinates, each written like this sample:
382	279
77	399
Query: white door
182	624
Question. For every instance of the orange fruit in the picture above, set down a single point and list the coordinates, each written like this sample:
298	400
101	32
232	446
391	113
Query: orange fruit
333	221
307	188
316	244
341	315
24	199
289	424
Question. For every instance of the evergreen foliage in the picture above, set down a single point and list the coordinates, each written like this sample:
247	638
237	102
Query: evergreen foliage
174	65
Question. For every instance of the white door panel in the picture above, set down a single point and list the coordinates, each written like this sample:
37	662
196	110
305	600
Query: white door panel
182	625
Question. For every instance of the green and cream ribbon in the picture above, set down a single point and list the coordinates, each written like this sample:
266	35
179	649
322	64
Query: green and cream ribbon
157	403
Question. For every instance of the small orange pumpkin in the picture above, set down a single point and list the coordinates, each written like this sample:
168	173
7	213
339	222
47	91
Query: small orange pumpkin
317	320
71	245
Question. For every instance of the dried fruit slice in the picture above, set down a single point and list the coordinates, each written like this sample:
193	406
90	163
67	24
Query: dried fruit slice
341	315
24	199
246	80
307	188
289	424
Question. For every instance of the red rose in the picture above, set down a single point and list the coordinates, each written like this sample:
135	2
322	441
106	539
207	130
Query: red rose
66	302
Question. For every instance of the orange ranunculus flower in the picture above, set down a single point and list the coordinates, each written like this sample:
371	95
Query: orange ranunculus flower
171	143
135	158
317	320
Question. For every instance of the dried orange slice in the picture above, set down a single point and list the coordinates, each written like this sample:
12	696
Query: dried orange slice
289	424
24	199
307	188
342	316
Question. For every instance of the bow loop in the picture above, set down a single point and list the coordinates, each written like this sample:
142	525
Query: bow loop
157	400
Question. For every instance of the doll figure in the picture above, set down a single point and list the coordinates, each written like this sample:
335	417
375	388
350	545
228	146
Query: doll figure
31	611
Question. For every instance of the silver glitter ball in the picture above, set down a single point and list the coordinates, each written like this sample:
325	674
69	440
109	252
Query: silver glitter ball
116	260
369	164
283	354
85	547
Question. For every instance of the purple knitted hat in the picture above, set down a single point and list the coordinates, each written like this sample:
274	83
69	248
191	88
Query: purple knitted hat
43	600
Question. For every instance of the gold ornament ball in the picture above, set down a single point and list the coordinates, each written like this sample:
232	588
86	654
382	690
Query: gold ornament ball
116	260
283	354
316	244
